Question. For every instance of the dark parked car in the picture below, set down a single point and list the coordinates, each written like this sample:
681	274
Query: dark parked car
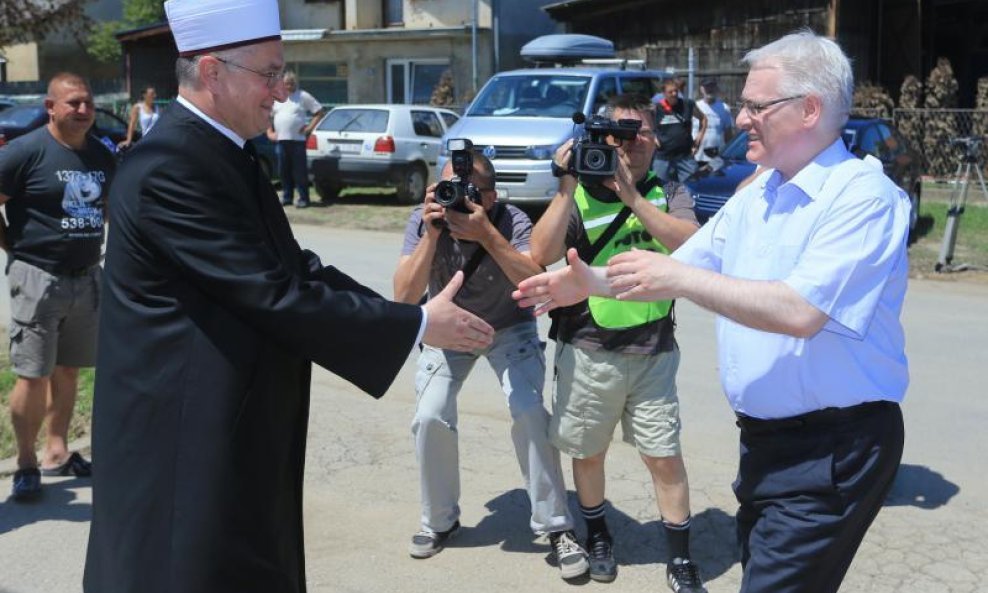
876	137
21	119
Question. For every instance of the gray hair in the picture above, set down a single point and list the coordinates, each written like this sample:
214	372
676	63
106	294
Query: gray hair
810	65
187	69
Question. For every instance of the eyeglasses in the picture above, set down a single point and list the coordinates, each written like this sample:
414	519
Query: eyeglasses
755	109
271	79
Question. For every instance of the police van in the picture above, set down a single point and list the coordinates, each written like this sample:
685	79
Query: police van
519	118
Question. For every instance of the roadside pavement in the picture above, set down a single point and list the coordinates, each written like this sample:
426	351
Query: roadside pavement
361	497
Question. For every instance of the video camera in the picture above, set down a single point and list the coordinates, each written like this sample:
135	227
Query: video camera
594	160
969	146
454	193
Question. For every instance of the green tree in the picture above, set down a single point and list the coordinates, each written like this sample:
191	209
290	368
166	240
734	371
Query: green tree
22	21
103	46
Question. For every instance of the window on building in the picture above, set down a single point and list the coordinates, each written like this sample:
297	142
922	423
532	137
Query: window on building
393	14
326	81
412	81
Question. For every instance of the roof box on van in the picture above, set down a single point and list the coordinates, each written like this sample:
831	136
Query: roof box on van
567	48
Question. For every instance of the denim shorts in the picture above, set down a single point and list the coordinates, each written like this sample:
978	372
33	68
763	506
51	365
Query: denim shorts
53	319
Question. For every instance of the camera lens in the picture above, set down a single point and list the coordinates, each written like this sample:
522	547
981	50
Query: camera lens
594	159
448	193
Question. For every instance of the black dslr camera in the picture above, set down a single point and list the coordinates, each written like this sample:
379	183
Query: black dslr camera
594	160
968	146
455	192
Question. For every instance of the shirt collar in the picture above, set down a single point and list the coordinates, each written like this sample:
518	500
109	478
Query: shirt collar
810	179
219	127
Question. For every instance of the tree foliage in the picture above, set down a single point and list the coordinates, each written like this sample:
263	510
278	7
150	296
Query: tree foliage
22	21
102	44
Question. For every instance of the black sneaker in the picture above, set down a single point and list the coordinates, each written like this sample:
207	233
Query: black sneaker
570	557
603	568
426	544
684	576
27	484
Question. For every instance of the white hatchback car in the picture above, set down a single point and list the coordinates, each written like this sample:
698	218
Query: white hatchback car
377	145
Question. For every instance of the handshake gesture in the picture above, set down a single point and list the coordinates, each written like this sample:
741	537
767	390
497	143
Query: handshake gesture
450	327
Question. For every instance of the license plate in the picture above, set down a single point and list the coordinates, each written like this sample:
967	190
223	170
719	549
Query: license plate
344	147
502	194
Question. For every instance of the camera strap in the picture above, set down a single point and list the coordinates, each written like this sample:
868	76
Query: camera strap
474	262
591	252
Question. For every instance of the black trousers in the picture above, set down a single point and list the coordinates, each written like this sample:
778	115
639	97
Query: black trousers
809	488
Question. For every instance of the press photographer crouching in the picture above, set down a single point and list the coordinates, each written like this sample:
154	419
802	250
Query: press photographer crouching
616	361
462	227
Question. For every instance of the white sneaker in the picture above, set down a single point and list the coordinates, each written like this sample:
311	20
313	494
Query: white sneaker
570	557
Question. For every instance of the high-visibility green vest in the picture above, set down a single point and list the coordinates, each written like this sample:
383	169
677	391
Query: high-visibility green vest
596	217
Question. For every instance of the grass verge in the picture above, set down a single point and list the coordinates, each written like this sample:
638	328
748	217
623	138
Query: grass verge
81	418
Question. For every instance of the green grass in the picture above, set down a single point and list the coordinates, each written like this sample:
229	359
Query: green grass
81	418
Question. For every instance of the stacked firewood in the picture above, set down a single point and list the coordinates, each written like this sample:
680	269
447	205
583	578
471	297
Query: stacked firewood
443	95
980	125
909	122
941	93
871	100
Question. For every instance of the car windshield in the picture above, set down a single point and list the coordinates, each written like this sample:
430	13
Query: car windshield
355	120
19	116
532	95
736	148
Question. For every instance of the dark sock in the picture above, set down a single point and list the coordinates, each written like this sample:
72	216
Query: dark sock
594	516
678	538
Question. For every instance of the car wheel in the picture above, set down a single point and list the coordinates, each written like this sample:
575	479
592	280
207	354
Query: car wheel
411	190
327	191
914	201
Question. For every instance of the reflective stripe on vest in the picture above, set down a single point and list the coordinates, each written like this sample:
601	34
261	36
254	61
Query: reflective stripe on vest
596	216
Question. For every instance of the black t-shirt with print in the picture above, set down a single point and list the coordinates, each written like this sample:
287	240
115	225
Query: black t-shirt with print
55	200
674	127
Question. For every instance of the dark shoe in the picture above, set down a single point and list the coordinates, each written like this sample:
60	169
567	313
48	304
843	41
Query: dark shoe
27	484
570	557
603	568
76	465
684	576
302	204
426	544
286	202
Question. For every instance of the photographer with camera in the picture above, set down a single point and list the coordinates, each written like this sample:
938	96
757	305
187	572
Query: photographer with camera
462	227
617	361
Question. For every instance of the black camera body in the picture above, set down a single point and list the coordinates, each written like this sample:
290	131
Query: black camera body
968	146
455	192
594	160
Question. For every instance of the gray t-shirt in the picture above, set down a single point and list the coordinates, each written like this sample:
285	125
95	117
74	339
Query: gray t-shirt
487	292
55	211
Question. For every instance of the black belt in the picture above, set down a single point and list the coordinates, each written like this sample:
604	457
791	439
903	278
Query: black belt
822	417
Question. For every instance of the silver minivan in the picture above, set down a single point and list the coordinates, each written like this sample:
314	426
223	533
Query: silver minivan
519	119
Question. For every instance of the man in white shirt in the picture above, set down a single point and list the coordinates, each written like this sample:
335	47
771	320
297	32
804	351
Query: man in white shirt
720	123
290	126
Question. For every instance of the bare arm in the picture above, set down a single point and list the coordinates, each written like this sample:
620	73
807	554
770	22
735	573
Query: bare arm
313	122
477	227
549	234
698	114
411	279
767	305
669	230
131	125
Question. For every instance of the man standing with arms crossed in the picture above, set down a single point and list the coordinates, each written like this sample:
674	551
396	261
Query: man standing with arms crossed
53	182
489	241
601	341
806	268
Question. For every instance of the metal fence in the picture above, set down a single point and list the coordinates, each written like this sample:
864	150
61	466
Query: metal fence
932	131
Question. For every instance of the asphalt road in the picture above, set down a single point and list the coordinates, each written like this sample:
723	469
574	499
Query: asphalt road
361	504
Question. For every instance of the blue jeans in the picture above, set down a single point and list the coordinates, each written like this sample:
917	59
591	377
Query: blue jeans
516	357
293	170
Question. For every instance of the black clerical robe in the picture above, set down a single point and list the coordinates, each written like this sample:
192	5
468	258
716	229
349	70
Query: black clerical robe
210	316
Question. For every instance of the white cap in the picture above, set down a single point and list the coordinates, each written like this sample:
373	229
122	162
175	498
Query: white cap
200	26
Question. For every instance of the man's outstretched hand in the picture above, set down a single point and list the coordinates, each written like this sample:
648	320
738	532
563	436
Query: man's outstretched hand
561	288
451	328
